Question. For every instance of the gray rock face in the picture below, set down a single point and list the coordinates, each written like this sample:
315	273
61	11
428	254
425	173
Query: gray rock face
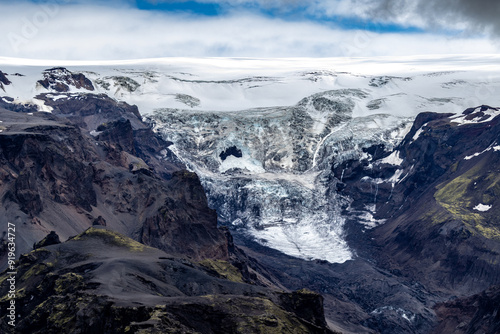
58	173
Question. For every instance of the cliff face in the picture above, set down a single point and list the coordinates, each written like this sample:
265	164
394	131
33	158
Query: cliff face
92	159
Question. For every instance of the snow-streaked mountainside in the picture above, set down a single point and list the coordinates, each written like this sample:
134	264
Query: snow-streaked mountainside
265	135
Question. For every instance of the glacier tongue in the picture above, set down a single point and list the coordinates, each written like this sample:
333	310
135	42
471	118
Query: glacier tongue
268	171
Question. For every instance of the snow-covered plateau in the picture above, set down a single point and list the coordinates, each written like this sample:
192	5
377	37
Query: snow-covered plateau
264	134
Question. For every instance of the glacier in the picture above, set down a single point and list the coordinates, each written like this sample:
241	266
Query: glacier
278	190
265	134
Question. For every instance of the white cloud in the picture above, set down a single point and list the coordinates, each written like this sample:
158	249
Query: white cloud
98	32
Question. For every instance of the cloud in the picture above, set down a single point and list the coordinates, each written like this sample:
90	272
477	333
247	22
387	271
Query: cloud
473	16
95	32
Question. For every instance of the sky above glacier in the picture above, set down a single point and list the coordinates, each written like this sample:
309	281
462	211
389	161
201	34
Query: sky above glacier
125	29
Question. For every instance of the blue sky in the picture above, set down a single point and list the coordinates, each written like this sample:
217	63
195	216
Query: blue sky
118	29
294	12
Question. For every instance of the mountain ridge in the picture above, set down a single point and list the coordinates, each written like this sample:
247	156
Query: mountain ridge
355	171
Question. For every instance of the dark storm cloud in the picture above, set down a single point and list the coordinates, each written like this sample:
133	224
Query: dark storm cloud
475	16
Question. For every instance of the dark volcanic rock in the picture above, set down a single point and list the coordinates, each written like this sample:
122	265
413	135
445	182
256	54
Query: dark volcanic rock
4	80
47	170
89	111
6	103
358	297
189	206
119	133
476	314
103	282
56	176
51	239
59	79
99	221
434	232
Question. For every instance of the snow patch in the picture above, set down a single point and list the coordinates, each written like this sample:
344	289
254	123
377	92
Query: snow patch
367	219
419	132
461	119
482	207
396	178
494	148
41	106
245	163
56	97
393	159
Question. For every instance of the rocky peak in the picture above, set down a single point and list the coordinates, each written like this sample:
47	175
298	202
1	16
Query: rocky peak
118	133
51	239
4	80
61	79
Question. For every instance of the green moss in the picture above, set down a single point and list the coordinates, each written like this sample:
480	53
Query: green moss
457	197
451	195
224	269
454	167
66	281
489	232
61	316
270	319
40	251
487	199
305	291
112	238
494	180
20	293
36	269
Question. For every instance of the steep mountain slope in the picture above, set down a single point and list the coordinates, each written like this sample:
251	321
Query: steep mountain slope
58	174
440	204
102	282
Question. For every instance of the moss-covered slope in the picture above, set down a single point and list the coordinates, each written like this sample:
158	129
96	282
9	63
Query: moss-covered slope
103	282
445	229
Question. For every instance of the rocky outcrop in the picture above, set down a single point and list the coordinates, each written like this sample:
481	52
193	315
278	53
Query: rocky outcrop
51	239
56	175
199	223
7	103
60	79
89	111
102	282
475	314
4	80
47	170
